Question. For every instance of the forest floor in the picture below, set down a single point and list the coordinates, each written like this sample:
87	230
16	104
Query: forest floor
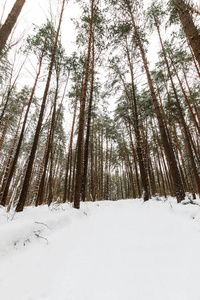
120	250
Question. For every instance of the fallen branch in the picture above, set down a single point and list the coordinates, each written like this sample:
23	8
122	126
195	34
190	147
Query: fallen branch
37	233
43	224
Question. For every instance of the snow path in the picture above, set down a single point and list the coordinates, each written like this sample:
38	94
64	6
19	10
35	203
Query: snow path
125	250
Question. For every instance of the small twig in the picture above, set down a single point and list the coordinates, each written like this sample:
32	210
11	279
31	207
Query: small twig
43	224
39	236
195	203
193	9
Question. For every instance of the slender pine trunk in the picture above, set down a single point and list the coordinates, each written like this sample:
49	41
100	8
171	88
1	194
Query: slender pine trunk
77	196
179	190
24	191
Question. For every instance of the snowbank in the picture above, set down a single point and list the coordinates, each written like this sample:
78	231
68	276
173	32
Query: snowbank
123	250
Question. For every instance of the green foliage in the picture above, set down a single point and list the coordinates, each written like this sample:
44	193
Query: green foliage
155	14
42	40
121	29
5	68
173	16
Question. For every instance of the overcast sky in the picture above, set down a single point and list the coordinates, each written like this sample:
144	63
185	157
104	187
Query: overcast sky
36	11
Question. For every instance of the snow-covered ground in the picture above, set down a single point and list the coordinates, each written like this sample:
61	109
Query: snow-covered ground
123	250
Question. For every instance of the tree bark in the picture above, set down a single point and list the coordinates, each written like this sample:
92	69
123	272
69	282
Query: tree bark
69	153
4	130
15	159
186	132
79	168
86	152
40	195
10	22
23	195
180	194
9	162
189	27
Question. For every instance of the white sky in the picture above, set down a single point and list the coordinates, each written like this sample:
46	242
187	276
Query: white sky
36	12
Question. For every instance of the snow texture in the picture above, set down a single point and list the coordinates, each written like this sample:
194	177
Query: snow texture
120	250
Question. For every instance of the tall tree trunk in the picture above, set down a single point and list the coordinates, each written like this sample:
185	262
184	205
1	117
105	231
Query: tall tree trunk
192	98
15	159
180	194
10	22
109	178
86	152
9	163
101	187
40	171
96	174
129	166
106	172
194	60
186	98
143	172
6	102
181	113
11	87
189	27
4	130
92	169
159	163
74	173
41	189
135	161
23	195
40	195
77	195
189	181
69	192
69	153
